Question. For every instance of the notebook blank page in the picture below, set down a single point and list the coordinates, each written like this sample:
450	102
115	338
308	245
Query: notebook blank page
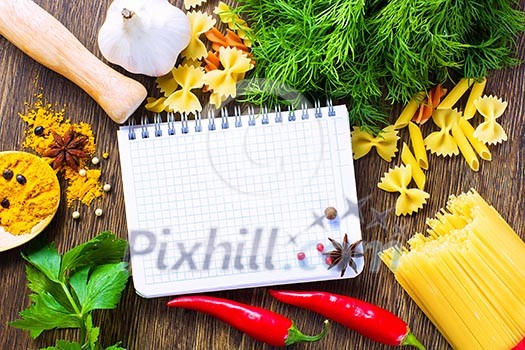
232	208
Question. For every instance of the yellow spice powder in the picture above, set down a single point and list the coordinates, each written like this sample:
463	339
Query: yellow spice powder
41	114
24	205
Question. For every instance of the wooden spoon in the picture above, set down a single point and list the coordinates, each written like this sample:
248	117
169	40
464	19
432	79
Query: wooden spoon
43	38
8	240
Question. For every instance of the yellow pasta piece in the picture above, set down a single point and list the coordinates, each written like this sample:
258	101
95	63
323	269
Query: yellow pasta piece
467	275
216	99
408	112
234	22
156	105
478	146
475	93
223	82
410	200
418	144
188	4
455	94
417	173
464	146
183	100
385	143
167	84
200	23
491	108
441	142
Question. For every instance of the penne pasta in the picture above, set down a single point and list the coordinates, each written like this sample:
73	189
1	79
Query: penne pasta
417	174
479	147
475	93
409	111
418	144
455	94
465	148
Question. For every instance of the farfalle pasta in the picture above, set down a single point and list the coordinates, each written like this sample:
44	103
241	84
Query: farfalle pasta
410	200
385	143
200	24
223	81
491	108
156	105
189	4
441	142
234	22
167	84
183	100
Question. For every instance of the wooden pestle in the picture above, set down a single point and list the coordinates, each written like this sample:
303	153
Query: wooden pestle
46	40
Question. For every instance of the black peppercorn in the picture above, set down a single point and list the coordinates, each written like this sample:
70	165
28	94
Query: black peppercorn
5	203
39	130
8	174
21	179
330	213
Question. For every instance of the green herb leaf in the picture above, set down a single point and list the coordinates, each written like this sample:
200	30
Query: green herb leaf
46	260
105	286
92	333
39	283
45	313
103	249
115	347
64	345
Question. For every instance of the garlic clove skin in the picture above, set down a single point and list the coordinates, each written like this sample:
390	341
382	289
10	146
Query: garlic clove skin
144	36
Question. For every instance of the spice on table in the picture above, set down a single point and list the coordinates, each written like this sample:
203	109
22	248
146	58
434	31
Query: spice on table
67	150
261	324
53	121
75	215
344	254
82	172
107	187
21	179
369	320
105	155
319	247
39	130
95	160
301	256
330	213
8	174
98	212
32	198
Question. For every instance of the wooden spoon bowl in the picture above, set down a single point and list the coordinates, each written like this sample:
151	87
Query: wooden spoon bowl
38	173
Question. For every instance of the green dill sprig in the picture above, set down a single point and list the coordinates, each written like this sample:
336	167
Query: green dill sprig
376	53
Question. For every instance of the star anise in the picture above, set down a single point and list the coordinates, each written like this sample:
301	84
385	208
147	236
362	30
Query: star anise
344	254
67	150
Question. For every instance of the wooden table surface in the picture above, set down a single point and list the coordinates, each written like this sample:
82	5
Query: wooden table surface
143	324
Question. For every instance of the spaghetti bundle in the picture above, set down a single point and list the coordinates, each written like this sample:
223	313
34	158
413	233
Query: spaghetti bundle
467	275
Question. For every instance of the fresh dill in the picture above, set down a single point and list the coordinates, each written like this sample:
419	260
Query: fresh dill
375	53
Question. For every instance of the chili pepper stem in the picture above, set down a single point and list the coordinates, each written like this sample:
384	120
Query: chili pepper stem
295	335
411	340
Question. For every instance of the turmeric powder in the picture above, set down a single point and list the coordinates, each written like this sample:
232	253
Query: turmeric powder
27	202
48	120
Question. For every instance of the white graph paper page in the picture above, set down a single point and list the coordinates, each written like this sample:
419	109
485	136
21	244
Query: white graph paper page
233	208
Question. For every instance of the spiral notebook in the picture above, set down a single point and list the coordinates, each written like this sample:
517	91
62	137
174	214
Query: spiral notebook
238	200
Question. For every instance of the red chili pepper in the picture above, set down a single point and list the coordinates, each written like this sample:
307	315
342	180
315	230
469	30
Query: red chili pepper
520	346
369	320
261	324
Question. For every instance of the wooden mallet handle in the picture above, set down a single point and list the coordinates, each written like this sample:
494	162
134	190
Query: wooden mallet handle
46	40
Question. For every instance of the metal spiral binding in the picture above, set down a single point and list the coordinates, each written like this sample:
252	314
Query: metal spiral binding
237	115
251	116
238	120
144	126
171	123
131	129
157	120
184	123
304	109
198	124
224	117
211	120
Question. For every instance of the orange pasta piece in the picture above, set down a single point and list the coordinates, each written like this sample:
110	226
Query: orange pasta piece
429	104
212	60
215	36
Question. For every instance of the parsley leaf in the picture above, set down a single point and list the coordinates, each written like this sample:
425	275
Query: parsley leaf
67	289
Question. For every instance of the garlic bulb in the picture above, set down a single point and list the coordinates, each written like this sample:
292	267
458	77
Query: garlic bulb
144	36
